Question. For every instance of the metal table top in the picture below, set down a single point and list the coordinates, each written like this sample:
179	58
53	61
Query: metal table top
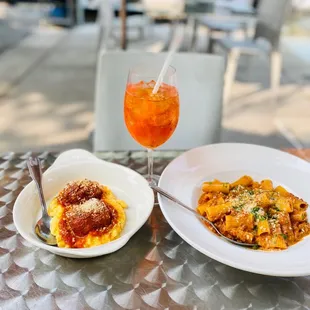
155	270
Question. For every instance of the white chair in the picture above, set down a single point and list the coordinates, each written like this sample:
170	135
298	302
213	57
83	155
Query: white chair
108	23
230	17
270	19
169	10
200	84
225	26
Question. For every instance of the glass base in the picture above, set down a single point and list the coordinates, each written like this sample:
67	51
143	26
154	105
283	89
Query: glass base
153	181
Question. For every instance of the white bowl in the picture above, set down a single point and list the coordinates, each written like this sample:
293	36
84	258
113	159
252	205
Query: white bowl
227	162
72	165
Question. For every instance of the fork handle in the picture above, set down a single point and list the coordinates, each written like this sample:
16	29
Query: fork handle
180	203
177	201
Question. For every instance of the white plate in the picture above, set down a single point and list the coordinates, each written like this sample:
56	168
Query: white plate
75	165
228	162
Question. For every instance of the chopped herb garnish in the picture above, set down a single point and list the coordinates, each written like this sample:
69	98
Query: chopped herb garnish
256	209
276	208
239	207
255	247
258	216
284	236
261	217
251	192
304	216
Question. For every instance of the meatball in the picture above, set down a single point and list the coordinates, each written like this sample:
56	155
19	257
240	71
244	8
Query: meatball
78	192
90	216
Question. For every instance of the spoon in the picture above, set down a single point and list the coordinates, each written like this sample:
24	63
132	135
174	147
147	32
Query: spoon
180	203
42	228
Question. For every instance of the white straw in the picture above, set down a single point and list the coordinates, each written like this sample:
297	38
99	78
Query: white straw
174	46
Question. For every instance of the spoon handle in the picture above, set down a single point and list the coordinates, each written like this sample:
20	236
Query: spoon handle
35	172
167	195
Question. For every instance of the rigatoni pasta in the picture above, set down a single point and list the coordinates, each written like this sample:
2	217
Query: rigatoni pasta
255	212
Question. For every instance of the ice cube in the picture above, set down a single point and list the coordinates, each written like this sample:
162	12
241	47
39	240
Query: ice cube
151	84
143	85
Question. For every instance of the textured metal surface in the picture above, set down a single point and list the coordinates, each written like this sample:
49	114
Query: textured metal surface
155	270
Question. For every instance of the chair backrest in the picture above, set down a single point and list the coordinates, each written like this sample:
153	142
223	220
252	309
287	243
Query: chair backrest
200	85
270	19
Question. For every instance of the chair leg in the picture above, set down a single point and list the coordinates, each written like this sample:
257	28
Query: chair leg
141	33
172	29
194	26
245	31
210	49
231	68
149	28
100	38
275	71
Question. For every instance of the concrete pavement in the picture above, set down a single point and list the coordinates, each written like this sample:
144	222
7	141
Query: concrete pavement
47	93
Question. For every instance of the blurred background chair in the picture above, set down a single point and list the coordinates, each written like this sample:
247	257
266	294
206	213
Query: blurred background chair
110	25
169	11
152	11
270	19
228	27
200	84
229	17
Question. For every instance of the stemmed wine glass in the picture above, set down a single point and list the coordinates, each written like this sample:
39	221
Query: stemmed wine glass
151	118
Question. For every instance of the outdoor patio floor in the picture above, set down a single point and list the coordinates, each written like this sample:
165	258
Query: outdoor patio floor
47	84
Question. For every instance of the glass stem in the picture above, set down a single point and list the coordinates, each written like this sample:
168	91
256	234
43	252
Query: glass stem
150	165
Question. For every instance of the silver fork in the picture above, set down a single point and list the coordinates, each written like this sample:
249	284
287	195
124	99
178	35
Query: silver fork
180	203
42	228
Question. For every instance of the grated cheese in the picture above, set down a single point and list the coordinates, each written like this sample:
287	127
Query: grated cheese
249	207
91	205
247	203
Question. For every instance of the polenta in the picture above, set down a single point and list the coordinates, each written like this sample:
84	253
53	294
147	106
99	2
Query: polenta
86	214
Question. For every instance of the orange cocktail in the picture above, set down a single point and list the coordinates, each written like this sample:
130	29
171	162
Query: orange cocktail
151	114
151	118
